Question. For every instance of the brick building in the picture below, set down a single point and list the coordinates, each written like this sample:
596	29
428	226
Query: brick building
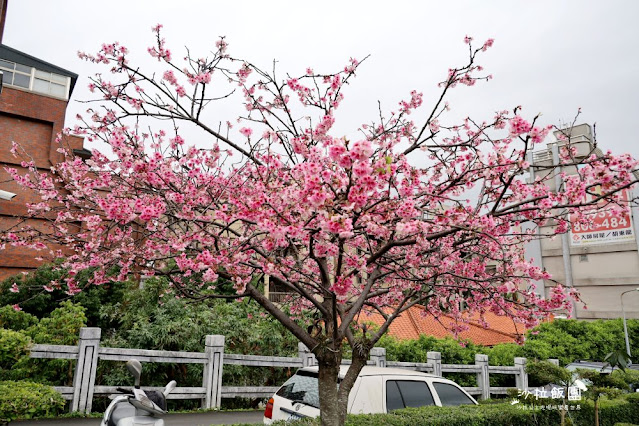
33	101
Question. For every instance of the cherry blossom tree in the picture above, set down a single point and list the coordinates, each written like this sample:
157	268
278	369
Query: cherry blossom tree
413	209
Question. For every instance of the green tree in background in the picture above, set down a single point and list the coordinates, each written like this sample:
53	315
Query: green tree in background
134	317
35	300
62	327
570	340
147	319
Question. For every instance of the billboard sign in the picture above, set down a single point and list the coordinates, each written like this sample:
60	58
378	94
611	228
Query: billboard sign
606	226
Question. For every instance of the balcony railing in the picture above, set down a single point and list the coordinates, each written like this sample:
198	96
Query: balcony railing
279	296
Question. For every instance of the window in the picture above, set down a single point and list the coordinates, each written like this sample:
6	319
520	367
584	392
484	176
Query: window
451	394
50	83
15	74
35	80
407	393
394	399
302	387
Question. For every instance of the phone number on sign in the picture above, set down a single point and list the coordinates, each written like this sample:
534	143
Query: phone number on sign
603	220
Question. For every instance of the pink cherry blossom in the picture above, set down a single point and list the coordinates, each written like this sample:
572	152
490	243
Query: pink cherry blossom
518	126
414	208
170	77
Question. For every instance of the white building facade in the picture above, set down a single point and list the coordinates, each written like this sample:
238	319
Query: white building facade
600	259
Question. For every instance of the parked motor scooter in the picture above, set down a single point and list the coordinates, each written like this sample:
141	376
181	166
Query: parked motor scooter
135	407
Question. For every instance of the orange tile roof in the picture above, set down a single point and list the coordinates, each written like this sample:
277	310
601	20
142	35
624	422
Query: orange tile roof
416	321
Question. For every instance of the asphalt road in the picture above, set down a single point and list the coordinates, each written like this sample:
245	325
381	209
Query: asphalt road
192	419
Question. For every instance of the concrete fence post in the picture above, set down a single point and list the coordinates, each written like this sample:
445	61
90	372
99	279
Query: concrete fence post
554	361
435	359
483	379
212	376
521	378
378	356
84	376
308	357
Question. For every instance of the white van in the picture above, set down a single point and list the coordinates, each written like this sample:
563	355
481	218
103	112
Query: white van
376	390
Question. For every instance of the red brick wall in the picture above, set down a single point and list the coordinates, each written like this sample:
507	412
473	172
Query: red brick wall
73	142
33	136
33	105
33	121
30	108
14	260
18	205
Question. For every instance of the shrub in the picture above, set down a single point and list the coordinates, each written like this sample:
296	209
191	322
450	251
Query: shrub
62	327
26	400
541	373
483	415
633	398
503	414
630	377
13	346
16	320
452	352
611	411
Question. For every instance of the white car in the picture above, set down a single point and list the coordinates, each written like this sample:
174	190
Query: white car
376	390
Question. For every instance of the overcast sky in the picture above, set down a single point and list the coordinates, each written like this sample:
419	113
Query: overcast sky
551	57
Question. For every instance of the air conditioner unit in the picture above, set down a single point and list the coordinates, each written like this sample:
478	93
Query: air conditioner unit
6	195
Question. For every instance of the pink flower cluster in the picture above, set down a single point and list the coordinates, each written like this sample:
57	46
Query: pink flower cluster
380	220
159	51
519	126
414	103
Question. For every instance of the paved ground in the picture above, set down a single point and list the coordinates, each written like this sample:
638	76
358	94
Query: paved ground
193	419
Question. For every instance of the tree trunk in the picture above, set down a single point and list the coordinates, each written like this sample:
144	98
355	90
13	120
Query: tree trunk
334	398
596	411
562	412
329	407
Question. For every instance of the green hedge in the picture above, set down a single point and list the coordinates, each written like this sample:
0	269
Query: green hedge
502	414
485	415
619	410
26	400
